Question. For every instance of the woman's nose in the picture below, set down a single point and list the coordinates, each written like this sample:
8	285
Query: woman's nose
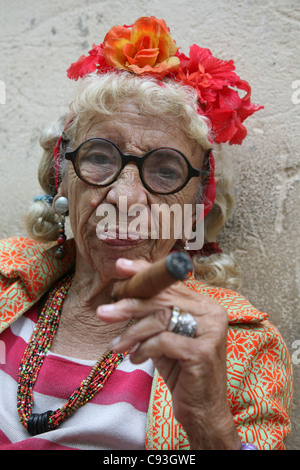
128	184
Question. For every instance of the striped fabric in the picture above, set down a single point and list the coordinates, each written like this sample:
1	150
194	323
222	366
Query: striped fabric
114	419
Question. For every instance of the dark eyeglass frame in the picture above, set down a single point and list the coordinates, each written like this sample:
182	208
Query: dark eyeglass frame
127	158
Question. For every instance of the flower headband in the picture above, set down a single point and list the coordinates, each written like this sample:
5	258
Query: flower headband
147	48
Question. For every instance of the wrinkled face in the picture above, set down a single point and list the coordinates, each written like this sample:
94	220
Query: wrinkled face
134	133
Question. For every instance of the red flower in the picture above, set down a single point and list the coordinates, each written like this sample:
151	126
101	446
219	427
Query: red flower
205	73
147	48
217	85
228	112
87	64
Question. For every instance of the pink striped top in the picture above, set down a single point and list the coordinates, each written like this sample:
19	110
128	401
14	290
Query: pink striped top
114	419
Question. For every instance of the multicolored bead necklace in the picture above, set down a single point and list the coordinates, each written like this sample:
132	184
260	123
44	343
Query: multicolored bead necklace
32	362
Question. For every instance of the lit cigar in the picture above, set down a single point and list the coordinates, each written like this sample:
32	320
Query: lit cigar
160	275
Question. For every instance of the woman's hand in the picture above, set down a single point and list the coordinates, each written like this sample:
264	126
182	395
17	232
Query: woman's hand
194	369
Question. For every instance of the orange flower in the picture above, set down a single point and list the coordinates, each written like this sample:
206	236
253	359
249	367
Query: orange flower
147	48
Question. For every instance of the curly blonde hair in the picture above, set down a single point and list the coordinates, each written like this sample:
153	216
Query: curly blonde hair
100	95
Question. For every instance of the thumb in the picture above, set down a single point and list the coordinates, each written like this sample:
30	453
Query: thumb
127	267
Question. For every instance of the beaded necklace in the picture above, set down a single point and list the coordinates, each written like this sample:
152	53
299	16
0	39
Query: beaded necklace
32	362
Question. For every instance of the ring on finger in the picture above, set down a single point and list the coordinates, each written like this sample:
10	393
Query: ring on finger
174	319
182	323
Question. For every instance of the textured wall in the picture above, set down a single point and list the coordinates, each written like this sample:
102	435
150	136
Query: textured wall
39	39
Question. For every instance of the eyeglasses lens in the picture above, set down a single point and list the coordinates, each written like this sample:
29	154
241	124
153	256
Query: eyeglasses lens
98	162
165	170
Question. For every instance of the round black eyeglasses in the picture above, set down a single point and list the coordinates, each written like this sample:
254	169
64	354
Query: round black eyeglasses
162	170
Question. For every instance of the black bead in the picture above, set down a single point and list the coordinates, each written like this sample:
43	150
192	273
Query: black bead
31	425
38	423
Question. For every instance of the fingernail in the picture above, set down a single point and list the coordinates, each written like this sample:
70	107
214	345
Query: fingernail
107	308
126	262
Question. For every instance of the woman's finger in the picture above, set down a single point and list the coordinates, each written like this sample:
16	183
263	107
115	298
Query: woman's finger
164	345
174	296
127	267
122	310
132	308
142	330
159	321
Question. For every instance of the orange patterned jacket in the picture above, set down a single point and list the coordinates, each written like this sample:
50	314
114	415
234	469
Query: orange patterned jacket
258	364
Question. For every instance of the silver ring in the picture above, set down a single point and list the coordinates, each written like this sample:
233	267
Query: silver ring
174	318
182	323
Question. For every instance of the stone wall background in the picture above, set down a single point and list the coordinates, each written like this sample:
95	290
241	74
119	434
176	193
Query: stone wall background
39	40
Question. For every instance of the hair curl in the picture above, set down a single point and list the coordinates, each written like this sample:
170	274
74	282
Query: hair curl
100	95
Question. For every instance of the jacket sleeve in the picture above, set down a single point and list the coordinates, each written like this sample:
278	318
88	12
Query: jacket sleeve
27	270
260	384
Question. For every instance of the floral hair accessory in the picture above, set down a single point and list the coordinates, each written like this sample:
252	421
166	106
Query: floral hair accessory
217	85
147	48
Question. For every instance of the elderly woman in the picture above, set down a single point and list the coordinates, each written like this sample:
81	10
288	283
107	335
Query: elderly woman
193	365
